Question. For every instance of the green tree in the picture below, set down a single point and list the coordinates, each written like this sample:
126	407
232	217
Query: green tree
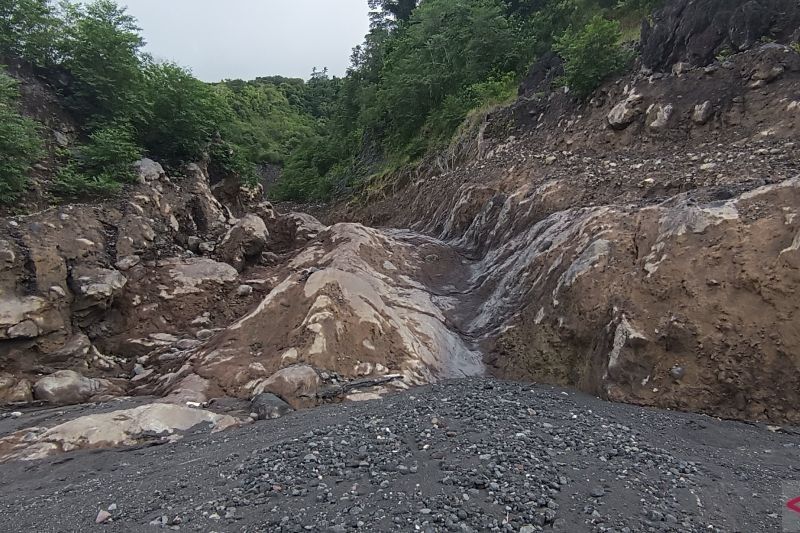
591	54
184	115
20	145
28	30
101	50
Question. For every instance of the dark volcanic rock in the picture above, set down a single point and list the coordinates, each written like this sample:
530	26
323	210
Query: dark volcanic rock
695	31
267	406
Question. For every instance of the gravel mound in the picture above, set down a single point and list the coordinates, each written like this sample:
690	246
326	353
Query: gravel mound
466	455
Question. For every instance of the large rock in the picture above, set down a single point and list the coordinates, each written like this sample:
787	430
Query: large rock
625	112
67	387
13	390
695	31
297	385
21	316
77	348
268	406
245	240
95	289
107	430
148	170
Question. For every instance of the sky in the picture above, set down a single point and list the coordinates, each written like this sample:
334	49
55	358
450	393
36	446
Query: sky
219	39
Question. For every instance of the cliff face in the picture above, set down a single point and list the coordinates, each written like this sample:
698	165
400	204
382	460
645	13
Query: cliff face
643	247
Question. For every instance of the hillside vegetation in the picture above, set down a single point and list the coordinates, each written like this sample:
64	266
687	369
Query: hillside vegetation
423	68
127	105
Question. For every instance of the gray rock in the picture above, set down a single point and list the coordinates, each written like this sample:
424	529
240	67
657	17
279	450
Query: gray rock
204	334
148	170
702	113
25	329
244	290
127	262
67	387
624	113
267	406
187	344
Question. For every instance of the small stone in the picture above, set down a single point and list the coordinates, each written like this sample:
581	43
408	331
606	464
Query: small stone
128	262
597	492
204	334
102	517
677	372
244	290
112	507
187	344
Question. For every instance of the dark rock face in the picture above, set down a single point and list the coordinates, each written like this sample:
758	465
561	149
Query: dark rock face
695	31
541	75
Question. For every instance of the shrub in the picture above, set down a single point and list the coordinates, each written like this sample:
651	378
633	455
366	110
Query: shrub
72	184
185	113
111	150
20	145
228	160
591	54
101	167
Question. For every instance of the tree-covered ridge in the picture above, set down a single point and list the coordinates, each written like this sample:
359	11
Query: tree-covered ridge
425	65
128	105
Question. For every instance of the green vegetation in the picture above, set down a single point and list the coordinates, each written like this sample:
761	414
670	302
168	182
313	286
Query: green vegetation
591	54
424	67
20	145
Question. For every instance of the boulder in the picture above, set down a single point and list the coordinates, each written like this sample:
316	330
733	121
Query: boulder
19	316
297	385
661	115
245	240
624	113
13	390
702	113
268	406
95	288
148	170
67	387
77	348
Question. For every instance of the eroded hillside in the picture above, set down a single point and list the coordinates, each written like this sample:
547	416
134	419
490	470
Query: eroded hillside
642	246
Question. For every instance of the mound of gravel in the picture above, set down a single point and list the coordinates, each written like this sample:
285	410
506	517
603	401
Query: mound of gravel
467	455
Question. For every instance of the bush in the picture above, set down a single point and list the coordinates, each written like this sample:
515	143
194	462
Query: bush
101	167
73	184
20	145
591	55
185	113
228	160
111	150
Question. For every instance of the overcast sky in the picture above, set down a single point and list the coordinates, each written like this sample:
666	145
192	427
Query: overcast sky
221	39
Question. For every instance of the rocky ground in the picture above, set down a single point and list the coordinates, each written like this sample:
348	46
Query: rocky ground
465	455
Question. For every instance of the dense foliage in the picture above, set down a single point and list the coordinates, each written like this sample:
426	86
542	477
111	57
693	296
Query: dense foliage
20	146
424	67
127	105
591	54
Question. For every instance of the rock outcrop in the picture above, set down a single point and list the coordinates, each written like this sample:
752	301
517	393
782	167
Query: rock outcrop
153	422
697	31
